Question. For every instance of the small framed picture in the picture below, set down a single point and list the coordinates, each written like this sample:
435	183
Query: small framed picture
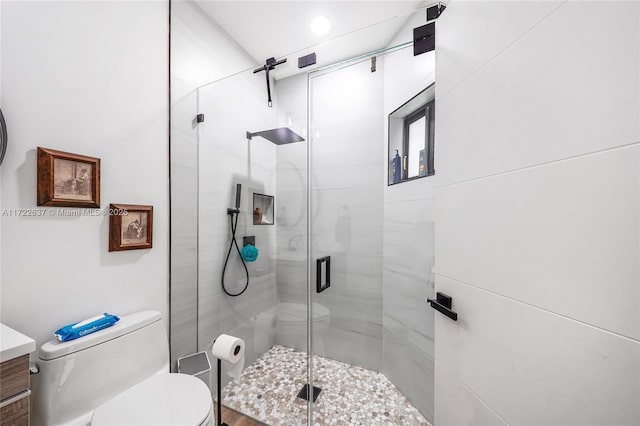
68	180
130	227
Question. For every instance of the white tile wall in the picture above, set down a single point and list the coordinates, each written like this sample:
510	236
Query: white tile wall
488	27
457	405
520	108
534	367
567	232
537	206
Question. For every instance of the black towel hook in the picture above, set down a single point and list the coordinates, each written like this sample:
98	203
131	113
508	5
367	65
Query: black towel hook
442	304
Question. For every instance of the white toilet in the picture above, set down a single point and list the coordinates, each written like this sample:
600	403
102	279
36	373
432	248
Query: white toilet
118	376
291	325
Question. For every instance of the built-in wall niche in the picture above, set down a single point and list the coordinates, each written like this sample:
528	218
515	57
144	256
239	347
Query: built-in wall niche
263	207
411	138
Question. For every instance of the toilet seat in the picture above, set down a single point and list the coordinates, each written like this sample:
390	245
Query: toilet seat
162	399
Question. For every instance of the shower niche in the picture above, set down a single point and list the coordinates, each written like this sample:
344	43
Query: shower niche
263	207
411	138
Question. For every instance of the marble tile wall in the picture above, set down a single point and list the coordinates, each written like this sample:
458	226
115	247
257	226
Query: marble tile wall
195	61
184	225
347	133
232	107
291	207
537	213
408	245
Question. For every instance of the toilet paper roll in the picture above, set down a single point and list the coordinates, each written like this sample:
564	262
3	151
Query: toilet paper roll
230	349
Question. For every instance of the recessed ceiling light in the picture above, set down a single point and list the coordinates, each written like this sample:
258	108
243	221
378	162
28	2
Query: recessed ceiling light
320	25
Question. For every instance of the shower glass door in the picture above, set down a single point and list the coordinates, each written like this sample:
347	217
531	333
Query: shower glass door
372	244
335	297
264	304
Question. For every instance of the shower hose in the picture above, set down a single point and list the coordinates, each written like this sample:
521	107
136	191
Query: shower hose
233	224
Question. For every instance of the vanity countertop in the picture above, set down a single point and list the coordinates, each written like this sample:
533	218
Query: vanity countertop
14	344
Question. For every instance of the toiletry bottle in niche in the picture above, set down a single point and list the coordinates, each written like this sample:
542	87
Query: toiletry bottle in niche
396	168
257	216
422	168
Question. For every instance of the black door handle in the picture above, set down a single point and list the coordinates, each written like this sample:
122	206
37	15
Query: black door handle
442	304
322	285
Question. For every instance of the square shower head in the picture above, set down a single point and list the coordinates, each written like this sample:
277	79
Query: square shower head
280	136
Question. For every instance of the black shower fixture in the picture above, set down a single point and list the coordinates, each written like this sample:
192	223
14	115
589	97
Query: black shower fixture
269	65
424	37
435	11
279	136
234	215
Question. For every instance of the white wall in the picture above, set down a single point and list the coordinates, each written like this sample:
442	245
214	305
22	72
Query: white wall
88	78
537	208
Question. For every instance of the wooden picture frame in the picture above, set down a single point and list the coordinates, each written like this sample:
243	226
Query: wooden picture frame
68	180
130	227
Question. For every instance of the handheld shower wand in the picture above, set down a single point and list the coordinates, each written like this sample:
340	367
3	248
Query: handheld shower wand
234	214
236	210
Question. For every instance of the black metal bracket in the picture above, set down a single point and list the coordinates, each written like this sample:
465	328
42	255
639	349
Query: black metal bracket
442	304
200	118
249	241
424	39
435	11
219	390
307	60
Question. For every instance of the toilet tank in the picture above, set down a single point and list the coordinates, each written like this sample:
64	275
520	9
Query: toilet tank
77	376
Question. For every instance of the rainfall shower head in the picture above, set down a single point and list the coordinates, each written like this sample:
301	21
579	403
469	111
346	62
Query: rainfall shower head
280	136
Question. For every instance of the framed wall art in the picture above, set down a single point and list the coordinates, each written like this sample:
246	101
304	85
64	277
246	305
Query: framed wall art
68	180
130	227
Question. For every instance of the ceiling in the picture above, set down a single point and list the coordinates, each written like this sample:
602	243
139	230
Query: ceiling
281	28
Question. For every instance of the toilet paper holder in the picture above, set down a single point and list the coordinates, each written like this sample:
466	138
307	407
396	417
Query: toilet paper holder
442	303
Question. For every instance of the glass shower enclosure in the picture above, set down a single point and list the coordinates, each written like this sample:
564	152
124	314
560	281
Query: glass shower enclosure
332	309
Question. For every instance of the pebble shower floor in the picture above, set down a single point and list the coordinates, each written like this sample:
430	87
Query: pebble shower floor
268	389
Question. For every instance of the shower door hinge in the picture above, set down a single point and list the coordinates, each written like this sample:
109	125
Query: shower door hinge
373	64
200	118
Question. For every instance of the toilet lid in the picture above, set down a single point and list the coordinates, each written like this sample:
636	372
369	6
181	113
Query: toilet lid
162	399
294	313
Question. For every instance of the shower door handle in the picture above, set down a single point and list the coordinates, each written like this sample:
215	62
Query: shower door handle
323	280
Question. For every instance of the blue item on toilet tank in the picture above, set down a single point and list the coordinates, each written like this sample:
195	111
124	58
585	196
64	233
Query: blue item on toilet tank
396	168
88	326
